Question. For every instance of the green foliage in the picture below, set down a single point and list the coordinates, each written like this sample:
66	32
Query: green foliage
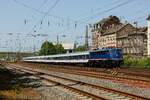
138	63
59	49
48	48
80	48
144	62
127	61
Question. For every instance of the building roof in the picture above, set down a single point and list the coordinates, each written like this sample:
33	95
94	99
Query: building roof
148	18
112	19
112	25
107	22
142	29
68	46
114	29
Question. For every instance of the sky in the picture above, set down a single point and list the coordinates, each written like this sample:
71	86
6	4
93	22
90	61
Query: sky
26	24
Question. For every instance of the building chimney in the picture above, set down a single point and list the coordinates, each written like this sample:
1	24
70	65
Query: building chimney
148	36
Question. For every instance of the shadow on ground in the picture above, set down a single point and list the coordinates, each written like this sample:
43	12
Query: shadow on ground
12	80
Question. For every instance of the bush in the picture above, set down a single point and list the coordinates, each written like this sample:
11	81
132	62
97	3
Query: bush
127	61
135	62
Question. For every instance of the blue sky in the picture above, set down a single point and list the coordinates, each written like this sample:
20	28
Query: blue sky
62	19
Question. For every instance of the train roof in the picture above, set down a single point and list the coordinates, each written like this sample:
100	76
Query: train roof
62	55
70	54
103	49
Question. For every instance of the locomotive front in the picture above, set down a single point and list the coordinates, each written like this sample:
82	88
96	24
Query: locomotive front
106	57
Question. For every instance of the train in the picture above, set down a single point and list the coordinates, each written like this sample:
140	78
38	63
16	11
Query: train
105	57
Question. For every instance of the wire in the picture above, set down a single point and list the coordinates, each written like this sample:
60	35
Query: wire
37	10
24	5
44	2
108	10
100	13
97	9
50	9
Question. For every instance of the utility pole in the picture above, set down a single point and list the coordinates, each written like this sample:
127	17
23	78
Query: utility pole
57	39
86	39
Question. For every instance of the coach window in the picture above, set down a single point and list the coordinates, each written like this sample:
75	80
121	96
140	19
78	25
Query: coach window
66	58
70	57
62	58
55	58
80	57
75	57
83	56
87	56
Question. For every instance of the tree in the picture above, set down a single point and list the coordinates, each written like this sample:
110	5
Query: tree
47	48
80	48
59	48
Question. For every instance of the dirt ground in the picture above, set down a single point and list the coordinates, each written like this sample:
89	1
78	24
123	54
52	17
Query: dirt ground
13	86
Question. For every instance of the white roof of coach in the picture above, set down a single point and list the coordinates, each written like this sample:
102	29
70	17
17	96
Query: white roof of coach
61	55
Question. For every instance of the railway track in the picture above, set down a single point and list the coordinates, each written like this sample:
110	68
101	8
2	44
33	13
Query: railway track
137	82
124	71
81	94
140	82
93	91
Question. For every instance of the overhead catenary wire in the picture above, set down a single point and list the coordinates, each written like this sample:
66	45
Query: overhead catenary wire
50	9
80	21
106	11
74	22
88	18
100	13
39	11
54	16
24	5
25	21
42	4
97	9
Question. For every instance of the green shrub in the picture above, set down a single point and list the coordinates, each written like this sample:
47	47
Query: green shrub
135	62
127	61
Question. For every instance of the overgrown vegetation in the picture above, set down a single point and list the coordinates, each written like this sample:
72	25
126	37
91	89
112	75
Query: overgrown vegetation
143	62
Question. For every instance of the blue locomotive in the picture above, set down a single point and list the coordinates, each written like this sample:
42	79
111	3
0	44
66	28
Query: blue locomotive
106	57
